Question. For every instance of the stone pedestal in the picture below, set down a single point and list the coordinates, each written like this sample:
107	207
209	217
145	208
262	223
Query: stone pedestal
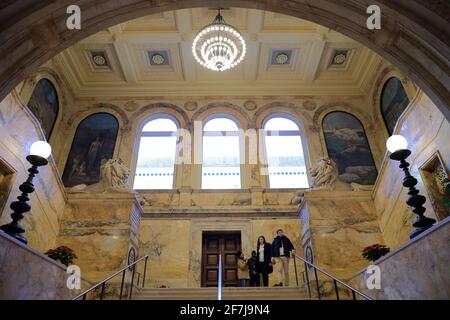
336	226
101	228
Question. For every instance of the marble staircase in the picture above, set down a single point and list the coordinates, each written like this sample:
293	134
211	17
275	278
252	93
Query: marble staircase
228	293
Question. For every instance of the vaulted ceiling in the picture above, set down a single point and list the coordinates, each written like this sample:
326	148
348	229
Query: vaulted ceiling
152	55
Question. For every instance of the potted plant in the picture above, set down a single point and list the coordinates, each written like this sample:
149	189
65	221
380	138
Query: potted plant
62	253
375	252
446	200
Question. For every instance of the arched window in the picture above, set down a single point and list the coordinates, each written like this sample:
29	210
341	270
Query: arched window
393	102
44	105
156	157
221	156
93	144
347	145
285	157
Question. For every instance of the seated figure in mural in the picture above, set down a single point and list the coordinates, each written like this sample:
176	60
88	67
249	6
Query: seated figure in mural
113	177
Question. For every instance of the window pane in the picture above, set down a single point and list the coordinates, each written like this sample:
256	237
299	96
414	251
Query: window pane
280	124
220	124
286	162
156	158
221	162
160	125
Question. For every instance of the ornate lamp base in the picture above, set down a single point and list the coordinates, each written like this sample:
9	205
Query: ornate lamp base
415	200
14	229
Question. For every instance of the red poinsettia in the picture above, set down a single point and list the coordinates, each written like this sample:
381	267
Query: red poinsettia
63	254
375	252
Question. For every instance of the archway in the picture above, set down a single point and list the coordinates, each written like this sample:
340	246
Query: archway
414	34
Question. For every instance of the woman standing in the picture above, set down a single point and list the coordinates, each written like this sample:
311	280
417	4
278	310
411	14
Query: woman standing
264	263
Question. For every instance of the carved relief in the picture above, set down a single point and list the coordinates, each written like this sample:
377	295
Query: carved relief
250	105
113	178
324	174
309	105
131	106
191	105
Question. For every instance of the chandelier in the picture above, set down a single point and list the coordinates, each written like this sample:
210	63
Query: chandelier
219	46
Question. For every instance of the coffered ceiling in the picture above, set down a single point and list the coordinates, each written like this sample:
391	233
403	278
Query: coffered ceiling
152	56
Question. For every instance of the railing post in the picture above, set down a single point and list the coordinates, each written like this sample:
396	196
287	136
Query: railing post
307	280
84	296
295	268
317	283
145	270
121	285
132	281
219	282
354	296
336	288
103	290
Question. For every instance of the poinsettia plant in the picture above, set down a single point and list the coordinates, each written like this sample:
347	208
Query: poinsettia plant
63	254
375	252
446	200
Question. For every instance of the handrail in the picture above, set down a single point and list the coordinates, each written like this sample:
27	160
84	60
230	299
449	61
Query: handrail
219	282
124	269
336	280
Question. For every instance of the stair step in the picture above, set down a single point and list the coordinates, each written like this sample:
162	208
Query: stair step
228	293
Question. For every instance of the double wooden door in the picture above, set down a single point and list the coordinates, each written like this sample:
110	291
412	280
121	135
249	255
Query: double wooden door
226	245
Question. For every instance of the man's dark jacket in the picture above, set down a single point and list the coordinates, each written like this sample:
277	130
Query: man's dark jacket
276	245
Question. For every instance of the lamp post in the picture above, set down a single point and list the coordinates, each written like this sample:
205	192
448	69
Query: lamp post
39	152
397	145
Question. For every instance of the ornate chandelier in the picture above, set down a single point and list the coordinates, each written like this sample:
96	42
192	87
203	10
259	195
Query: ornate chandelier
219	46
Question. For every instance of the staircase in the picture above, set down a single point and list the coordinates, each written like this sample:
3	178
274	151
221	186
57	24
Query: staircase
228	293
138	292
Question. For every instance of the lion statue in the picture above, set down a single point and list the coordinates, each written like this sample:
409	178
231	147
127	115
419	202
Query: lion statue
324	174
113	177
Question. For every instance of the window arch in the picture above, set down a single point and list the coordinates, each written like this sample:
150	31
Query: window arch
393	102
221	154
93	143
45	105
155	166
284	153
349	148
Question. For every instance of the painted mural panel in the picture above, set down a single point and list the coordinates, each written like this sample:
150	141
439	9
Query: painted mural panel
347	145
93	144
44	105
393	102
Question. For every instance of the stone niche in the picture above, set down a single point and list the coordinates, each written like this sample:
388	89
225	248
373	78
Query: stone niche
101	228
336	226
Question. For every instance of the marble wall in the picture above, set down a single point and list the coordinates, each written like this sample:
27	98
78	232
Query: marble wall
175	244
18	130
337	226
26	273
101	228
418	269
427	132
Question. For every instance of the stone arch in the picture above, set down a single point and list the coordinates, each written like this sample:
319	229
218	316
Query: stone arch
414	37
27	90
280	107
78	116
161	107
223	107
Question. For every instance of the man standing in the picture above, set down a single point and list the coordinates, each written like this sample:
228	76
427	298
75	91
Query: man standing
281	251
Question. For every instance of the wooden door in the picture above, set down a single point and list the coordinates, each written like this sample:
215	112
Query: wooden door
226	245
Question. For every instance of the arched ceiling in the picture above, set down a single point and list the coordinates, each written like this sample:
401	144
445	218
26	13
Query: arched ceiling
414	34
